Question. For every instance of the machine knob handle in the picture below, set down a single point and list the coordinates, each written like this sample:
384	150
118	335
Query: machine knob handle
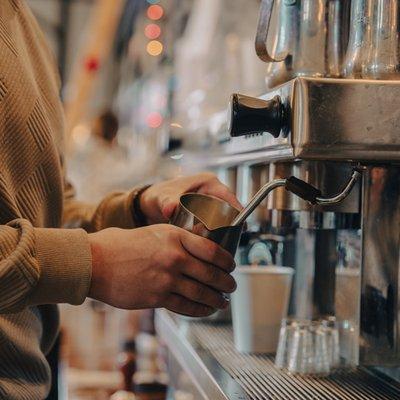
252	115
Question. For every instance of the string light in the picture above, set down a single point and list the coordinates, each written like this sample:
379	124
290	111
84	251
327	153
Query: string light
154	48
152	31
155	12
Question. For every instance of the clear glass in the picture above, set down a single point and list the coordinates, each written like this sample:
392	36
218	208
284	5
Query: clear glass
382	58
331	328
360	26
373	49
288	327
308	347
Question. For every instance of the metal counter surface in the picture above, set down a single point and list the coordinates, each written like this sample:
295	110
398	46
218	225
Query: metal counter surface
207	354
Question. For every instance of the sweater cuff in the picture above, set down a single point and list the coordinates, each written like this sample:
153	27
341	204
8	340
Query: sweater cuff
116	210
65	265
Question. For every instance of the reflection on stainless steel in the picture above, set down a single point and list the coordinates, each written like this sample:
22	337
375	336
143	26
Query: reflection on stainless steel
314	284
209	217
332	119
308	38
380	287
278	39
209	359
281	199
249	180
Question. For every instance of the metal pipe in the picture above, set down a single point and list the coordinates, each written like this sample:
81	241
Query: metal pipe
270	186
324	201
257	199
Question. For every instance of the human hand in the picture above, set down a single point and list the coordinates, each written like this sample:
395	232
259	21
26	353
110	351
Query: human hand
160	266
159	201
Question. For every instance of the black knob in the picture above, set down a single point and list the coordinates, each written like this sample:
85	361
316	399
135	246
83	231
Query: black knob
252	115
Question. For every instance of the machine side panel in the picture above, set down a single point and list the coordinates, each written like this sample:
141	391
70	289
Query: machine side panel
379	320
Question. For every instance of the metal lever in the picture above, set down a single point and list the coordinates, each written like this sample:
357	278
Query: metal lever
300	188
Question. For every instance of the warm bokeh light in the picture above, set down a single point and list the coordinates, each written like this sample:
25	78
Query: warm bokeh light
154	120
155	12
152	31
80	134
154	48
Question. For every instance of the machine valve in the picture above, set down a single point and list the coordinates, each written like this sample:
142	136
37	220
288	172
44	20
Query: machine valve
251	115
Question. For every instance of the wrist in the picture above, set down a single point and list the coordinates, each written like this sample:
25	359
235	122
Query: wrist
97	264
138	211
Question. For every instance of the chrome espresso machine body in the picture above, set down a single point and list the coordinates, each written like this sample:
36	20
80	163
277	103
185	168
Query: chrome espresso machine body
329	126
317	126
331	111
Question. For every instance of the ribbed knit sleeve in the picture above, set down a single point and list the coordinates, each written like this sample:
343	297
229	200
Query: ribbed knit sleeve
114	211
42	266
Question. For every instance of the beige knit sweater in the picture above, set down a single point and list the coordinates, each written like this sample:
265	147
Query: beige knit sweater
39	262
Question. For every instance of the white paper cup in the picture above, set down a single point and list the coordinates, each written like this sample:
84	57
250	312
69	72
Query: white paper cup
259	304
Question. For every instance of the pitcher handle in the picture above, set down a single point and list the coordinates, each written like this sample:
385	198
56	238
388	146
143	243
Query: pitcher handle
262	32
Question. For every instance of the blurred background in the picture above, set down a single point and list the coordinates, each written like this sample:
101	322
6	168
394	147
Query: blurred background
145	84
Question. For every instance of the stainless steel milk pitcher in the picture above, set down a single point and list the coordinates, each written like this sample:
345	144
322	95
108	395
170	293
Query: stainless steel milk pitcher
209	217
302	38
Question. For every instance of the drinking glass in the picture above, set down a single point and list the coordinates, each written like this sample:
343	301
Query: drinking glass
373	48
308	347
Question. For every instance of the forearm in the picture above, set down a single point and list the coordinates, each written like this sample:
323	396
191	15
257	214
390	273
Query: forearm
42	266
116	210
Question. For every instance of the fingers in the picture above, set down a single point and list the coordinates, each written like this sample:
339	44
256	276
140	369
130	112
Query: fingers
201	294
205	183
219	190
168	207
181	305
208	183
208	251
209	275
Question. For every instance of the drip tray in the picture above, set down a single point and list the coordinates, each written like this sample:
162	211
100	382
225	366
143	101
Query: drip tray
208	354
261	380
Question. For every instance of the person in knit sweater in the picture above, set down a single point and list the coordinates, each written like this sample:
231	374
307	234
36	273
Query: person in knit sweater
131	260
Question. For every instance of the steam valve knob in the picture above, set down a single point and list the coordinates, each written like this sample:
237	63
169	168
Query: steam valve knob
249	115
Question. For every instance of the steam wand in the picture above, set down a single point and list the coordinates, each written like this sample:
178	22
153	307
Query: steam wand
300	188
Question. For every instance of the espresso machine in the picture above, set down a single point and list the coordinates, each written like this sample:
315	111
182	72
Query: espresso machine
332	106
329	121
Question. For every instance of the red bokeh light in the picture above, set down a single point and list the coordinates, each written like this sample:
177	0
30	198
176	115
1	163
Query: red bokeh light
92	64
154	120
152	31
155	12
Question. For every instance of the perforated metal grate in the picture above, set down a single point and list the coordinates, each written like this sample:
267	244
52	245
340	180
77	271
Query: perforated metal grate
261	380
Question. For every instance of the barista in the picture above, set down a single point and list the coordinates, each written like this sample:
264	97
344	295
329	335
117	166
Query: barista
132	260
